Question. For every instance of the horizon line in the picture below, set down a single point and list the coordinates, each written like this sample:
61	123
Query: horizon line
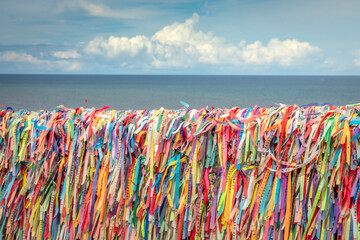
170	74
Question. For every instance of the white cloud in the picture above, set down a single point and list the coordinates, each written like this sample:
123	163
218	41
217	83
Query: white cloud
182	45
15	57
66	54
357	62
115	46
101	10
357	58
25	58
68	66
281	52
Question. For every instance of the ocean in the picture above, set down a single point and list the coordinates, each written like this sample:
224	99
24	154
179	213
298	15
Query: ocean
123	92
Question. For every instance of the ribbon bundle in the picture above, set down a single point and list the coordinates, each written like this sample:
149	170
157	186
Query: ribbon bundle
284	172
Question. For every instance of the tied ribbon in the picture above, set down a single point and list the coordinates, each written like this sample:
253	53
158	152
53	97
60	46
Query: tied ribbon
284	172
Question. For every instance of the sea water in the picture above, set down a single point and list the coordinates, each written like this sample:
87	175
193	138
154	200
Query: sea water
123	92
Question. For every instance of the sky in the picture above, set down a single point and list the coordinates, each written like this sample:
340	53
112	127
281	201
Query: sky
285	37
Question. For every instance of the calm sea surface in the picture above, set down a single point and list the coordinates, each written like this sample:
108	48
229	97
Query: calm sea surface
122	92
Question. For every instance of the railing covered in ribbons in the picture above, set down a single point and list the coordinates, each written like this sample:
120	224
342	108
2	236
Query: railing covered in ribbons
284	172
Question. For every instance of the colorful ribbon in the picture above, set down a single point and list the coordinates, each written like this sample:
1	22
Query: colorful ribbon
284	172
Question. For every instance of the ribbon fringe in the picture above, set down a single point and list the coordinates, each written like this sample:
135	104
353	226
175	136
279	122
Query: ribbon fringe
284	172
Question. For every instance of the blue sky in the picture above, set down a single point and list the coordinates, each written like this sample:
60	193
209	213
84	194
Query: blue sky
180	37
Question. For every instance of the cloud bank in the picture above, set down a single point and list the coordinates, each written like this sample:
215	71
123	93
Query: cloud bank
41	64
181	45
14	57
